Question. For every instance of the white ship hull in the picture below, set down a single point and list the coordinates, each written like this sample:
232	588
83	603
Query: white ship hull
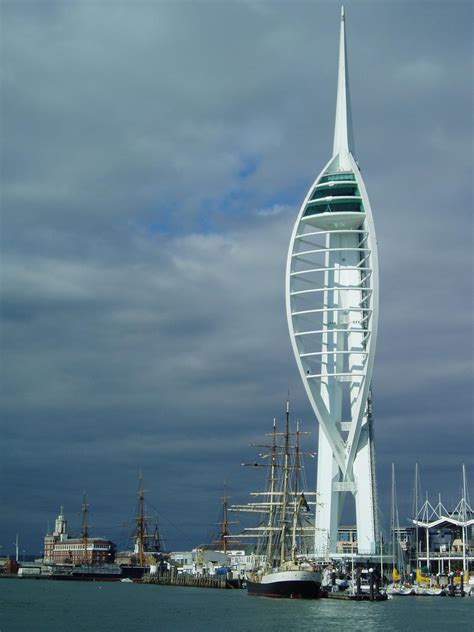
293	584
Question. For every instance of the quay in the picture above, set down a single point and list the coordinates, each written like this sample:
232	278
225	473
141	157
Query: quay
345	596
197	581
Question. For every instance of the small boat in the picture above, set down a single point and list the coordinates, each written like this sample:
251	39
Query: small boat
400	589
126	580
429	591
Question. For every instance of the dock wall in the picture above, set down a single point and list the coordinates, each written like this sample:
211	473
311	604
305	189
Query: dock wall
198	581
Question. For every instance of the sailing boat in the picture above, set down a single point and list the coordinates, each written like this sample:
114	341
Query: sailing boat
397	587
284	569
148	548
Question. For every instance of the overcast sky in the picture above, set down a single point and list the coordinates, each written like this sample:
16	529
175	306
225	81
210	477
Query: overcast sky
154	157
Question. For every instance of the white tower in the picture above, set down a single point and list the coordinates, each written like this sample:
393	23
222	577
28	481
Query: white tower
332	311
60	526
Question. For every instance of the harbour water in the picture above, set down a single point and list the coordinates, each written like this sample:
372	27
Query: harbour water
49	606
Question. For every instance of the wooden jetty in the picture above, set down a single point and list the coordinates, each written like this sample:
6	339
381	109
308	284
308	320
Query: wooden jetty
197	581
343	595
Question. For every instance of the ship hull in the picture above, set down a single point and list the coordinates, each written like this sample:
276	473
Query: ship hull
86	578
289	585
134	572
89	573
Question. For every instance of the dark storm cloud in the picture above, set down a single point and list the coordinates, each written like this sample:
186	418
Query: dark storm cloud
153	161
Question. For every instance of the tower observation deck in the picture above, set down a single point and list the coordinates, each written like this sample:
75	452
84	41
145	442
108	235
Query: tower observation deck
332	312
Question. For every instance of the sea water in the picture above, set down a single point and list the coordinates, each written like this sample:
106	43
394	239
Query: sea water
29	605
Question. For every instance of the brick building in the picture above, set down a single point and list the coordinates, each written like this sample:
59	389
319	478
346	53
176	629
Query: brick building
60	548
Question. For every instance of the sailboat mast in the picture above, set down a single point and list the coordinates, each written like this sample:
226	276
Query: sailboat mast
464	517
400	560
416	515
392	518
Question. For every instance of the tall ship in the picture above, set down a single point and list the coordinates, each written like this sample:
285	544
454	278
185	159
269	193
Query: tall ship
285	531
147	552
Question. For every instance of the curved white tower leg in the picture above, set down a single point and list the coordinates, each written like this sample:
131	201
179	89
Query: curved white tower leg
332	311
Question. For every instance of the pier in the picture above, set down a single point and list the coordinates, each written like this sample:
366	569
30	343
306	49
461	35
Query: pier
196	581
347	596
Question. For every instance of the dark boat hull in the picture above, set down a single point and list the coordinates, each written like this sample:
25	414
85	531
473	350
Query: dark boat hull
85	578
134	572
89	573
285	589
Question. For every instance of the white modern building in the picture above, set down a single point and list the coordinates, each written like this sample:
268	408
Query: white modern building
332	311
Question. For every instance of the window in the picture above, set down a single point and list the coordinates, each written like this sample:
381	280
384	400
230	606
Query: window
335	191
337	177
334	206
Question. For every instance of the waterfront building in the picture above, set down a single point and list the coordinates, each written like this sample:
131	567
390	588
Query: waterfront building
332	312
205	560
347	540
245	560
443	540
182	560
202	560
61	548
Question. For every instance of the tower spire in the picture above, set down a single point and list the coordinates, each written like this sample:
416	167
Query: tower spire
336	212
343	140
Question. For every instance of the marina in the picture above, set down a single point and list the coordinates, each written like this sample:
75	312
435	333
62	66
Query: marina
299	548
317	543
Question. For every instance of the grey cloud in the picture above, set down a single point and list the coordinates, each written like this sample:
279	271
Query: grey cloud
152	167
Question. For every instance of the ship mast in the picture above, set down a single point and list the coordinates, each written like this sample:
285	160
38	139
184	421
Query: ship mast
297	500
271	513
283	499
224	534
392	523
464	518
398	563
141	522
85	528
286	468
225	531
417	486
